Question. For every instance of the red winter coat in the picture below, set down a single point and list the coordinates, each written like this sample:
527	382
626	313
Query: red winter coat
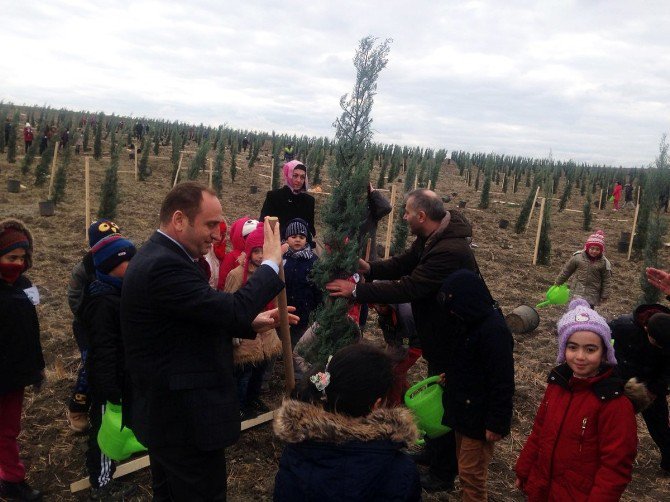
229	261
27	134
617	192
583	442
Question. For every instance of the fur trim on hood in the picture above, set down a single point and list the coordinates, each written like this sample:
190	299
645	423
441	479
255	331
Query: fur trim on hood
638	394
19	225
297	421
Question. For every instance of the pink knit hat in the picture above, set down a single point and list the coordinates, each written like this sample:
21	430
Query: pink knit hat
580	317
597	239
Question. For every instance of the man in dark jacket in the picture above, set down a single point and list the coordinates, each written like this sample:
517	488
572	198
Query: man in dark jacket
177	335
479	377
416	276
640	355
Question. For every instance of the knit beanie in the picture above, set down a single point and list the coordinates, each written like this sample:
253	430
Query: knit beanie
220	246
643	313
12	238
658	327
580	317
297	226
596	239
111	251
99	229
248	227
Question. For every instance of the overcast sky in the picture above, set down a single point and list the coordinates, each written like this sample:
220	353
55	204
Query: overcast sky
587	80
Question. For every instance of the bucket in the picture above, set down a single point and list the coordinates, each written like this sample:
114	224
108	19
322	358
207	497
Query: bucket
13	186
425	401
622	246
253	189
462	203
522	319
625	236
47	208
503	223
555	295
116	443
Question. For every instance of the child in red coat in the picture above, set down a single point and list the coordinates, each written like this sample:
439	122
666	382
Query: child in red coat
584	438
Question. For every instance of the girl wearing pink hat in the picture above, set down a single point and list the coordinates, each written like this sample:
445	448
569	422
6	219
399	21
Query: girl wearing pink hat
591	270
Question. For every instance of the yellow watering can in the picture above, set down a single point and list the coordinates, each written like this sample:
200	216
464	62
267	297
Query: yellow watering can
425	400
556	295
115	442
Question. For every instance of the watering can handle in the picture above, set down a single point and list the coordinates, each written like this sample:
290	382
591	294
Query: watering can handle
542	304
423	383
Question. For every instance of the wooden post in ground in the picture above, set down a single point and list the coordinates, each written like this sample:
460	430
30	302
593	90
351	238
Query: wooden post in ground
639	189
284	329
135	157
367	249
532	208
87	203
416	180
272	172
176	175
632	232
53	170
429	183
539	230
211	169
389	227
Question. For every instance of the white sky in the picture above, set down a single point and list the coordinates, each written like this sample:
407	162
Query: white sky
588	80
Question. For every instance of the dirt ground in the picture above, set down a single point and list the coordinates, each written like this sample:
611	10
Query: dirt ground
54	455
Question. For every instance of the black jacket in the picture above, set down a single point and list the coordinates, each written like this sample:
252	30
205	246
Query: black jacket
480	369
286	205
101	315
177	336
377	207
21	360
639	358
420	271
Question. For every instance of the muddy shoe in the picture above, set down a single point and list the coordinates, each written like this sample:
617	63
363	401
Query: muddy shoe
112	491
78	421
18	491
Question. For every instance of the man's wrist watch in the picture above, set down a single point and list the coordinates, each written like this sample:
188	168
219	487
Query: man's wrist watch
353	291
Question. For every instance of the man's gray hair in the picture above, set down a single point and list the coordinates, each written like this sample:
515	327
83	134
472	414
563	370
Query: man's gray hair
427	201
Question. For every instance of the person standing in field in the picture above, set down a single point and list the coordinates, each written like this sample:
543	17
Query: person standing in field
592	271
21	360
177	337
27	136
441	247
628	195
616	193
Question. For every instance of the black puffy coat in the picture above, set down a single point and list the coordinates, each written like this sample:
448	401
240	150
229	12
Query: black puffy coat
480	370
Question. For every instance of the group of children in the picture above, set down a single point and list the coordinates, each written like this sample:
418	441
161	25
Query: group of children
345	433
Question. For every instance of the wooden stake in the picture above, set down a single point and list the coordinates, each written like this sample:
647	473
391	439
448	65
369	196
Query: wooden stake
416	181
272	172
176	175
135	157
87	203
53	170
367	249
532	208
429	182
143	461
539	229
211	169
632	232
389	227
639	189
284	329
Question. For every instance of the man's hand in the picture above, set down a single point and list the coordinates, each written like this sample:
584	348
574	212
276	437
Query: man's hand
340	288
272	242
269	319
363	267
659	279
492	437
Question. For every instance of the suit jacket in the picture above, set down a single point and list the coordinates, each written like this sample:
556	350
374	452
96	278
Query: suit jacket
177	335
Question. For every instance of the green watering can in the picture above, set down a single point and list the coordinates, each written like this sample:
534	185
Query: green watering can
556	295
115	442
425	400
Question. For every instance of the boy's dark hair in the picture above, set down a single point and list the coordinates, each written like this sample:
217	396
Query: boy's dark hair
359	375
185	197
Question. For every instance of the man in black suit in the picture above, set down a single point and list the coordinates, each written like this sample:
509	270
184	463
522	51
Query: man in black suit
177	335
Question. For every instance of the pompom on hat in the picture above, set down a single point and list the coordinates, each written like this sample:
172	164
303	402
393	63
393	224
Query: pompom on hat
111	251
580	317
248	227
100	229
596	239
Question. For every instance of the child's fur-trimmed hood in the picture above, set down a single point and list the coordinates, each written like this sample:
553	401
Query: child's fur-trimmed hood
296	421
